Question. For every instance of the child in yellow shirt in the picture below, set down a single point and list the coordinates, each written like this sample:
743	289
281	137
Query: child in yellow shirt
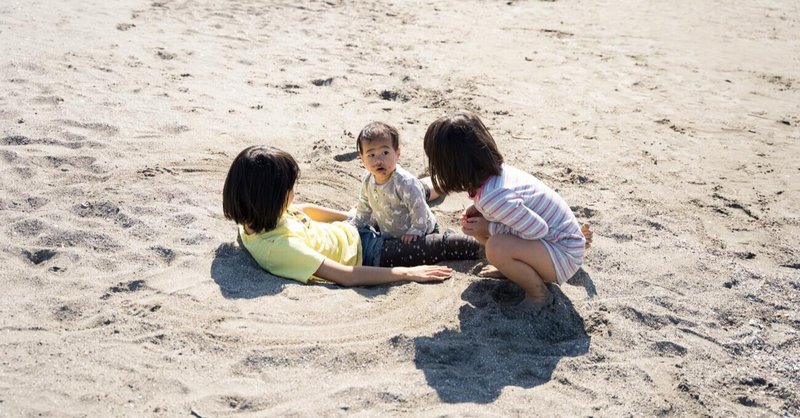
310	242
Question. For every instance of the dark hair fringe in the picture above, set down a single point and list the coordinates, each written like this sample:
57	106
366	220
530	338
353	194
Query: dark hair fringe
378	130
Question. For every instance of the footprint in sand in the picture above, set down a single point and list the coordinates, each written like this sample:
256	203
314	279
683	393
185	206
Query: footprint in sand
322	82
39	256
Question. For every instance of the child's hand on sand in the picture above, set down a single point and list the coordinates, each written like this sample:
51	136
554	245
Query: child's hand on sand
408	238
427	273
475	226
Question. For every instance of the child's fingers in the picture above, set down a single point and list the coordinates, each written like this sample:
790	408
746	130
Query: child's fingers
408	238
442	273
431	273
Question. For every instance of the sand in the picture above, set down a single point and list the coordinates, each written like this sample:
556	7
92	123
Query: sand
672	127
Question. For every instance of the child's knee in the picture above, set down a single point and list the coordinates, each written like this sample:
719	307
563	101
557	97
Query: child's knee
497	249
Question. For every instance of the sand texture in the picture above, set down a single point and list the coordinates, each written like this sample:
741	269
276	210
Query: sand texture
672	127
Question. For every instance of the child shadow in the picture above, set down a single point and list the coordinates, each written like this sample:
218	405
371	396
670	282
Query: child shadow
581	278
499	344
239	276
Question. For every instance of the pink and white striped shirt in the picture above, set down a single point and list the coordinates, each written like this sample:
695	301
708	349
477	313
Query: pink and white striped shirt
518	203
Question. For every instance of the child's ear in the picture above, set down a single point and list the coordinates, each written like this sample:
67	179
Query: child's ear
397	151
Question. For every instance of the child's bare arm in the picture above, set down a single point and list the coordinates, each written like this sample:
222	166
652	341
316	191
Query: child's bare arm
368	275
321	213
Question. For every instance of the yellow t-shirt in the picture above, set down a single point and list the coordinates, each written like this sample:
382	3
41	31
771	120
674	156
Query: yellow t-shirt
298	245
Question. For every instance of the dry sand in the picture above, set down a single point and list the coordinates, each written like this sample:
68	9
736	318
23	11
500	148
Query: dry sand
673	127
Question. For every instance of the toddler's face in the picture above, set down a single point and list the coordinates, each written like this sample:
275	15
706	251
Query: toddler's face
380	158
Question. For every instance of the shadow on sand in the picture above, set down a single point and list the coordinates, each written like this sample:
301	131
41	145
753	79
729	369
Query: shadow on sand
240	277
582	279
499	344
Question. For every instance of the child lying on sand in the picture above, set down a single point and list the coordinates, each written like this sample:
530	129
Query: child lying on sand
309	242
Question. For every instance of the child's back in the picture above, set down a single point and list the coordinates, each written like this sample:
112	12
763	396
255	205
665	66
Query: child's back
506	198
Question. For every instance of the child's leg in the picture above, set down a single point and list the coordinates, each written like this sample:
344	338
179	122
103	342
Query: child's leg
481	238
527	263
321	213
492	271
429	249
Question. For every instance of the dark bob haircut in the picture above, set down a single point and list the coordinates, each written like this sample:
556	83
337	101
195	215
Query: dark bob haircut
378	130
258	186
461	152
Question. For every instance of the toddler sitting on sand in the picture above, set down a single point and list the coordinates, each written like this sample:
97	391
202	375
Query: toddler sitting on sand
390	195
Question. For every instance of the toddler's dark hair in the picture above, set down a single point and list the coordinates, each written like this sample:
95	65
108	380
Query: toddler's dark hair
461	153
258	186
378	130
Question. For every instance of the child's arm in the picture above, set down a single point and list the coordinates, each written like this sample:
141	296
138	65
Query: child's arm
320	213
413	196
292	258
368	275
505	207
363	209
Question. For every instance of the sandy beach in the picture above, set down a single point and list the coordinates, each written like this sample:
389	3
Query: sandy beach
673	128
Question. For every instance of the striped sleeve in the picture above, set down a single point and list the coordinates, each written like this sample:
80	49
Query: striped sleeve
506	207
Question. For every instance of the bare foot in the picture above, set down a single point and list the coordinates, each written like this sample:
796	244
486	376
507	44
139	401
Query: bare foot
586	230
536	305
491	271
